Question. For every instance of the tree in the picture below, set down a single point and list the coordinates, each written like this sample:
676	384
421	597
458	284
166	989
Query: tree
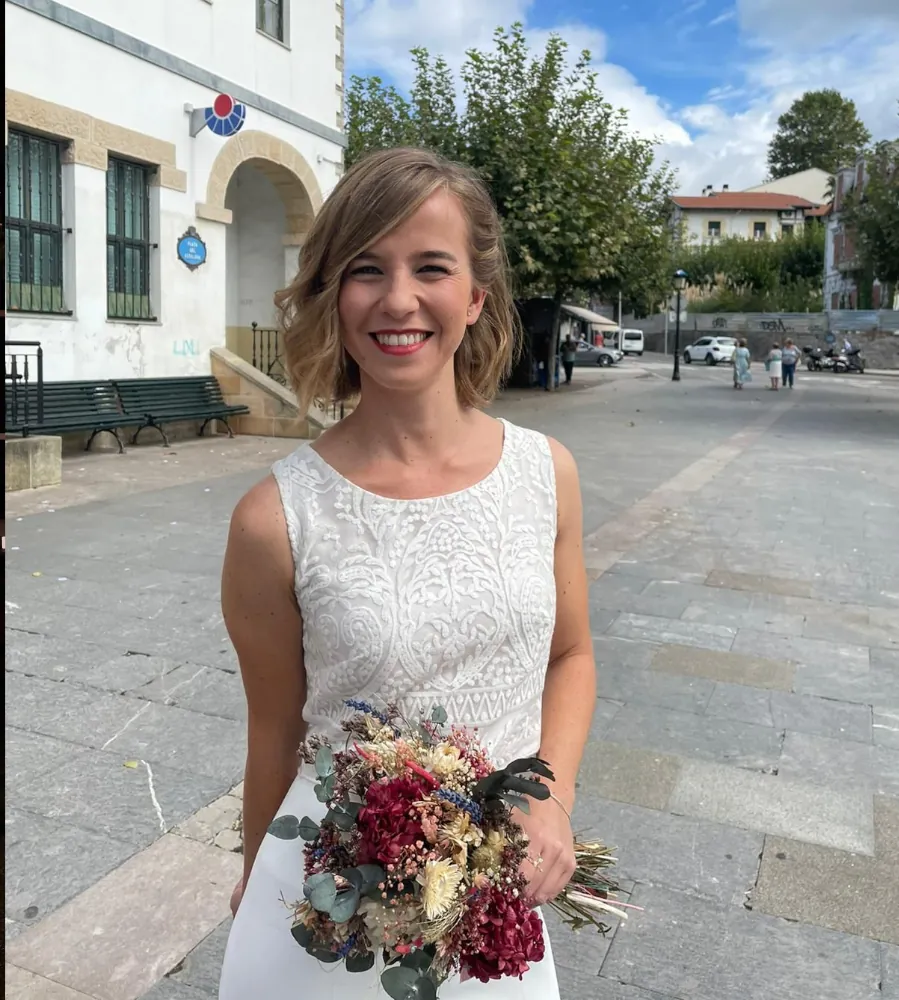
584	207
738	275
871	214
822	129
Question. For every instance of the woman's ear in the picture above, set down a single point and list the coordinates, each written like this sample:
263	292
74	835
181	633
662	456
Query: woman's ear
478	297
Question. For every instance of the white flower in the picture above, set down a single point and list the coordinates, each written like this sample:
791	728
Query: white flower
443	760
440	882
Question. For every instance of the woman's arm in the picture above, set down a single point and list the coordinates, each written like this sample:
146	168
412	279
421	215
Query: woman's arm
264	623
569	694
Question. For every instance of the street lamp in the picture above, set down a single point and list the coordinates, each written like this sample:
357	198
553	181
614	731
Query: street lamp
680	283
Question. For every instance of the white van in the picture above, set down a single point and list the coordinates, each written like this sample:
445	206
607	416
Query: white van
632	342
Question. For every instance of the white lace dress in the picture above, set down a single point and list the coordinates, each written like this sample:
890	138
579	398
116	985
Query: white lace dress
449	600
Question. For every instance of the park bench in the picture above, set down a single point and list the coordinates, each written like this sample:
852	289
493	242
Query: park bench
68	407
155	402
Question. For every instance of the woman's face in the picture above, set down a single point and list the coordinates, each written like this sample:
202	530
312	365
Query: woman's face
405	304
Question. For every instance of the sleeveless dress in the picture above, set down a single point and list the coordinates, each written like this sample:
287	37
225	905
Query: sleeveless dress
449	600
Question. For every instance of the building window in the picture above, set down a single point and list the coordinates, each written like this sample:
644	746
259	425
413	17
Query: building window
714	230
128	240
270	18
759	230
786	229
33	244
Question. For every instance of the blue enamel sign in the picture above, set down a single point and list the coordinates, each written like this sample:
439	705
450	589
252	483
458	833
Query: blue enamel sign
191	249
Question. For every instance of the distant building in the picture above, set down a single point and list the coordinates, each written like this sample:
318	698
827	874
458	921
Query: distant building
814	185
752	215
841	290
139	234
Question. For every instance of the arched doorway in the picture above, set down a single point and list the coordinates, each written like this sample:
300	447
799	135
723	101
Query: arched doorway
267	193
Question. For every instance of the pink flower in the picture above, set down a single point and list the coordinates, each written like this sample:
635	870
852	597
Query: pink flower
387	823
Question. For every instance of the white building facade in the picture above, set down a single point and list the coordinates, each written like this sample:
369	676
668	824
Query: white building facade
757	215
131	246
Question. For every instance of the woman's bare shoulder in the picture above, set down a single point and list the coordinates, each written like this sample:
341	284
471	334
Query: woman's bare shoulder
258	518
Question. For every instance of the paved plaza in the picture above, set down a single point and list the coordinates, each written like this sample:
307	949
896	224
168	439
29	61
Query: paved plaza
744	753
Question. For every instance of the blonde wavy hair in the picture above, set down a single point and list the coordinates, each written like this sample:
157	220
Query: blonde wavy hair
379	193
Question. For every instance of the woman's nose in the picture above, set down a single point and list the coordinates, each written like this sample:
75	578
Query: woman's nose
400	297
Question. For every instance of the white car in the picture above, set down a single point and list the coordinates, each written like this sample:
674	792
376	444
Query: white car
711	350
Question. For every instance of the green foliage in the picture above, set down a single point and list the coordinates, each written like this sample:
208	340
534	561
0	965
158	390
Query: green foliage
872	215
822	129
584	206
738	275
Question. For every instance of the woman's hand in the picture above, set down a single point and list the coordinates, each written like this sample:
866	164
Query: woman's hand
236	897
550	861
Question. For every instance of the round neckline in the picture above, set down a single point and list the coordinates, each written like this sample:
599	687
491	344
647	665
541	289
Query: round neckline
493	473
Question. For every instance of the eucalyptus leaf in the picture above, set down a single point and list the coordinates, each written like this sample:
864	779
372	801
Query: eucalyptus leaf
344	906
420	961
341	820
360	963
517	802
321	793
371	874
301	934
354	877
525	786
426	737
324	761
487	785
323	955
438	715
534	764
425	989
285	828
399	983
351	808
309	829
322	896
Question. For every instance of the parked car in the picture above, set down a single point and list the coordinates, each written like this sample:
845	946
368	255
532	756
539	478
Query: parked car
711	350
588	354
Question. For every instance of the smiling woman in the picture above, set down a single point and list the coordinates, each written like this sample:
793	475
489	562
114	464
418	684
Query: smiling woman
419	552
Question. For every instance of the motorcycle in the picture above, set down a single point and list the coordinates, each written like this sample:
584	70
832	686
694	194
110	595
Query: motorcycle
855	361
817	360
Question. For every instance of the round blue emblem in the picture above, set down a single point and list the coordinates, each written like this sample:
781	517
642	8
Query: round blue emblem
191	249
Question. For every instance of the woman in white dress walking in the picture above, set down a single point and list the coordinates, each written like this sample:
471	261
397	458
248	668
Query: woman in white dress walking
419	552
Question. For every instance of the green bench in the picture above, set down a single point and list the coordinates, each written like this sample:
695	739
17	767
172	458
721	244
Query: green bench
154	402
68	407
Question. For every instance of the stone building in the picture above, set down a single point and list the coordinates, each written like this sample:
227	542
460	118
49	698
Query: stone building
163	163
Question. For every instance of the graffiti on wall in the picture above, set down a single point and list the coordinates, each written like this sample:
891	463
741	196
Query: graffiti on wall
185	348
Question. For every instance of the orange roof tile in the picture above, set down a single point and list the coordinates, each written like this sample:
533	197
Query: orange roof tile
742	201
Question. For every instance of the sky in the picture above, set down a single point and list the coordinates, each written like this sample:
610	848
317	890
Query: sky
706	78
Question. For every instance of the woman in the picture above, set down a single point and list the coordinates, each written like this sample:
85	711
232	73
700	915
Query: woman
773	365
742	362
420	551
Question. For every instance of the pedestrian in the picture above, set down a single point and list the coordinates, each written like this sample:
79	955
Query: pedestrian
569	353
774	365
419	550
742	363
789	359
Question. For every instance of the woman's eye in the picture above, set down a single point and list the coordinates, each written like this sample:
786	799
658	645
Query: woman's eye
364	269
435	269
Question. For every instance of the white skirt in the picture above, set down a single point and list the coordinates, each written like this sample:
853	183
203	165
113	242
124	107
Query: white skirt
263	960
775	369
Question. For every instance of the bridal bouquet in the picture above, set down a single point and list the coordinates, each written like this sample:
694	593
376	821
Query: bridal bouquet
418	857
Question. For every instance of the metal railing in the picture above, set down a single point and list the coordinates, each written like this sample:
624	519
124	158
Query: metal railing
266	353
24	384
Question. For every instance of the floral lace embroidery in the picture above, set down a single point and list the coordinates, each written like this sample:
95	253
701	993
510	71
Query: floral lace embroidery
447	600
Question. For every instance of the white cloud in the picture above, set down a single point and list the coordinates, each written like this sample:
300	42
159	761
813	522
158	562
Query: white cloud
728	15
792	47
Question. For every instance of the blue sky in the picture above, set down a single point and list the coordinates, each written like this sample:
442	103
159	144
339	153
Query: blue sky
708	78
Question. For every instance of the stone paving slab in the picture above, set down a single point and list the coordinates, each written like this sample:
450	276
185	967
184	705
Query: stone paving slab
627	774
889	959
97	791
761	620
709	859
839	764
202	689
874	684
600	988
886	727
724	666
201	969
649	687
758	583
630	653
667	630
605	711
24	985
29	755
686	734
118	938
687	947
774	804
49	862
837	889
798	712
801	651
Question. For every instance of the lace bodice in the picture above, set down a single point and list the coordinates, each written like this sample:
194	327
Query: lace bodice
449	600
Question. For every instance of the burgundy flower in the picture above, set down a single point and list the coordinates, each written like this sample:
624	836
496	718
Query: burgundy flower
504	936
387	824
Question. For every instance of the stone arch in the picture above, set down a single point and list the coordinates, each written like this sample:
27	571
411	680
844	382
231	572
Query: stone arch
282	164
